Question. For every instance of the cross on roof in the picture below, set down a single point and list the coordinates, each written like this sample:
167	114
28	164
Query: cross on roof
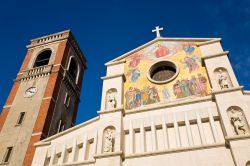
157	30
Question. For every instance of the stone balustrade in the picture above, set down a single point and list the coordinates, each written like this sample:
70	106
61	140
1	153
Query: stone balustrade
36	72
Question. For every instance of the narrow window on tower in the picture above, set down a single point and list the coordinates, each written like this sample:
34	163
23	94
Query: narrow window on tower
73	69
20	118
60	126
67	100
7	155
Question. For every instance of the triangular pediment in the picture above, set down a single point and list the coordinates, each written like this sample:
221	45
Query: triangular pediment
160	39
164	70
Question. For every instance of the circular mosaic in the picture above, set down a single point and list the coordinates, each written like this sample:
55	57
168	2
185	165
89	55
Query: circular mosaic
162	72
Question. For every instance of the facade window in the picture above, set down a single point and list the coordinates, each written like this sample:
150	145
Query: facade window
67	100
60	126
20	118
73	69
43	58
7	155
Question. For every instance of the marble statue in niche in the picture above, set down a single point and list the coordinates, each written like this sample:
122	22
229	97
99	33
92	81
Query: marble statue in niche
223	79
111	101
108	140
238	121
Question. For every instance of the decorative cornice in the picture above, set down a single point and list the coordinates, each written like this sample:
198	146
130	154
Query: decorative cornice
114	76
46	43
237	137
215	55
208	42
171	104
115	63
227	90
175	150
120	109
108	154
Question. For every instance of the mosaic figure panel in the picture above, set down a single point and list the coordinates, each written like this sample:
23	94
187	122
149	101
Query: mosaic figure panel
192	79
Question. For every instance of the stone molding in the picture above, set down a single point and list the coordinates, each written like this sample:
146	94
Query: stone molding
227	90
170	104
108	154
175	150
237	137
115	63
114	76
214	56
208	42
120	109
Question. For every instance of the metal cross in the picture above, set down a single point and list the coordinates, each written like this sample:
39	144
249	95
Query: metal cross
157	30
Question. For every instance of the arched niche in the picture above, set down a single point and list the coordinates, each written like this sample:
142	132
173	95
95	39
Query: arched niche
223	78
43	58
238	120
108	141
248	163
111	99
73	69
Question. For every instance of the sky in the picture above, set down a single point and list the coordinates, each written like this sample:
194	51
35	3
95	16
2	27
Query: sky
106	29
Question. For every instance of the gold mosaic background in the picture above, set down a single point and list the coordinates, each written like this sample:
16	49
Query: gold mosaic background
191	81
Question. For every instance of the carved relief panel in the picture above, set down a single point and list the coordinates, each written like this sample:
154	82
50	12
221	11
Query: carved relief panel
223	78
108	139
111	99
238	121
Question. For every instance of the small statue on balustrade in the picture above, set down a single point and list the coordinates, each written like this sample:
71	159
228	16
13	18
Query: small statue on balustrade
111	99
108	141
238	121
223	80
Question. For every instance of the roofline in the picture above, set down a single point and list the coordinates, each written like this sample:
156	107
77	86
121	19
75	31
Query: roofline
57	33
161	39
68	131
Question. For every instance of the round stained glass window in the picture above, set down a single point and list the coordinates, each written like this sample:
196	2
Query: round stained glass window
162	72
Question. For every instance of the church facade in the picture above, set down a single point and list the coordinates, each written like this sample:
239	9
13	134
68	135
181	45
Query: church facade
171	101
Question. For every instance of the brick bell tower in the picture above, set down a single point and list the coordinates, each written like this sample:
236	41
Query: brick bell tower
44	98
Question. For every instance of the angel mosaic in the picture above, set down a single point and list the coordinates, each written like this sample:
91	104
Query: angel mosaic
134	74
135	60
188	48
191	63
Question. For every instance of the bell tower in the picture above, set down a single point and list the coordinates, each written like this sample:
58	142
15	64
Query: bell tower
44	97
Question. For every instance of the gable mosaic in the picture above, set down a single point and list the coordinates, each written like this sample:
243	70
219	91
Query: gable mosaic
191	79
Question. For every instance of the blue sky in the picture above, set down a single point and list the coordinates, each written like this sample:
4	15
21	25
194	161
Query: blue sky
107	29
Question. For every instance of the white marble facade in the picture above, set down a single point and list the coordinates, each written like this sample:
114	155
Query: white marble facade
205	131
